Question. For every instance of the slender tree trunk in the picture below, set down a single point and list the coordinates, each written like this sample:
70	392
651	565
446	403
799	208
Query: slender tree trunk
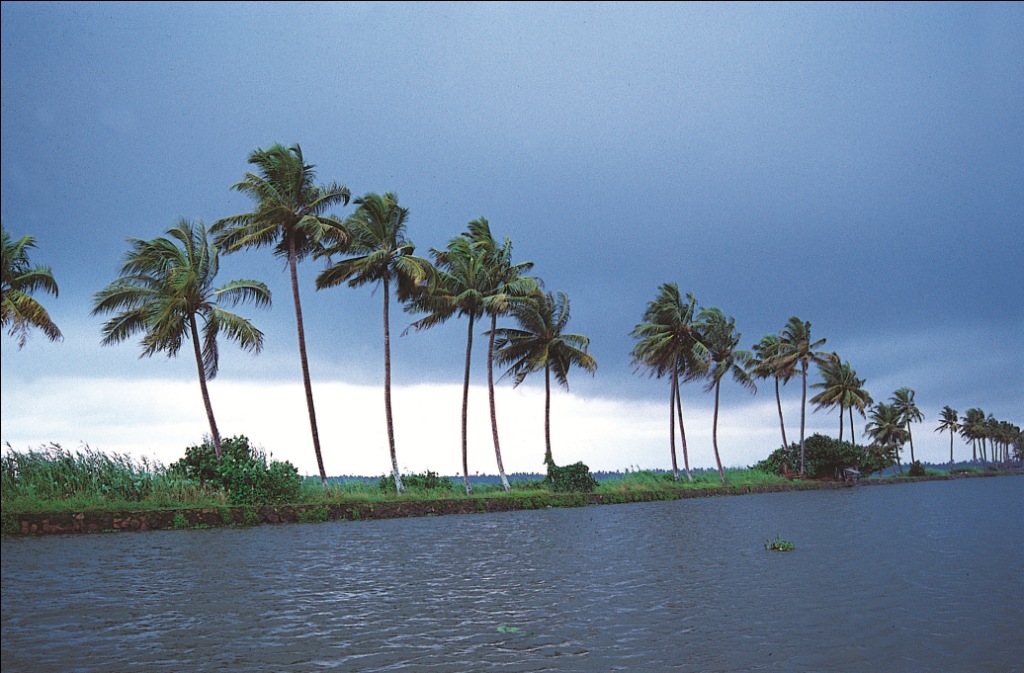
305	361
782	423
682	430
899	461
387	390
841	424
951	449
549	460
465	410
714	433
910	436
672	422
974	451
494	411
214	434
803	419
853	435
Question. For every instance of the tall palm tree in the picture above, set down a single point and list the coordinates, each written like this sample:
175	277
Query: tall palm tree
886	428
19	310
165	285
506	285
972	429
796	352
949	422
763	366
841	388
290	215
459	287
903	400
380	253
541	343
718	334
667	345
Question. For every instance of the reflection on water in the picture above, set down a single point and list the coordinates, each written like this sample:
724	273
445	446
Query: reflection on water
921	577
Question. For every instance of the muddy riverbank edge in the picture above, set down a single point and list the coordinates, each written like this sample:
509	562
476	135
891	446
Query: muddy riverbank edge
99	521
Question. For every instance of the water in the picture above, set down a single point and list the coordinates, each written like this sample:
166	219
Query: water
920	577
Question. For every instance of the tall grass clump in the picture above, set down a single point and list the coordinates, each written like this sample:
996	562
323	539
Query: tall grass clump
55	473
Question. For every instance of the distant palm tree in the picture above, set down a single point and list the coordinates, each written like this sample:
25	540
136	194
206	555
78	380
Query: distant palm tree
291	216
886	428
841	388
903	400
380	253
541	343
766	352
19	310
507	284
166	285
949	422
667	345
719	336
459	287
972	429
798	351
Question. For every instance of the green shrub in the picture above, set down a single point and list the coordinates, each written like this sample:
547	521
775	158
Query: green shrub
917	469
825	457
419	483
180	521
242	472
570	478
317	514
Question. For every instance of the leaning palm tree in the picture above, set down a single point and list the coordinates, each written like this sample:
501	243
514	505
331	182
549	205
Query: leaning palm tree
380	253
840	388
506	285
719	336
949	422
763	366
540	343
19	310
887	429
667	345
290	215
798	351
972	429
903	400
459	287
165	287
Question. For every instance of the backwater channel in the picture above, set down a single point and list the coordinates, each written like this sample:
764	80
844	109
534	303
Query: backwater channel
914	577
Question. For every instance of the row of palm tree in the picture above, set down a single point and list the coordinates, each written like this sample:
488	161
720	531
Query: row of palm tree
1004	438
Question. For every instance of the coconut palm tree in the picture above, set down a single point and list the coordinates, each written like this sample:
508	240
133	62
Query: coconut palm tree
903	400
949	422
165	287
796	352
379	254
290	215
719	336
972	429
506	285
19	310
459	287
667	345
763	366
541	343
886	428
841	388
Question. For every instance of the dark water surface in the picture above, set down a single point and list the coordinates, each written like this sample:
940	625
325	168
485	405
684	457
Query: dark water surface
918	577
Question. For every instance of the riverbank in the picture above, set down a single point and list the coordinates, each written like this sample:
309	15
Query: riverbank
357	509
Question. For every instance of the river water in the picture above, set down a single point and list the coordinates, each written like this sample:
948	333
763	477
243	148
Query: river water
916	577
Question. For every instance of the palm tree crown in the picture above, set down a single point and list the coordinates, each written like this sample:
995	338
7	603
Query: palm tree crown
797	352
841	388
164	286
949	421
19	310
903	400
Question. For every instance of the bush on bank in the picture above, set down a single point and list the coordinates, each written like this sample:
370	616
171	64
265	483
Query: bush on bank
826	457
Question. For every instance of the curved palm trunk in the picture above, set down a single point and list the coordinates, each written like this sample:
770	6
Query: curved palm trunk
214	434
910	436
682	430
387	391
672	424
803	419
782	423
465	410
549	460
494	411
714	433
305	362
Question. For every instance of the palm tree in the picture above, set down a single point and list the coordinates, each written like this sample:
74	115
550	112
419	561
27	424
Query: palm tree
290	216
798	351
903	400
841	388
380	253
972	429
507	284
949	422
719	336
18	309
459	287
763	365
164	286
540	343
668	346
886	428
